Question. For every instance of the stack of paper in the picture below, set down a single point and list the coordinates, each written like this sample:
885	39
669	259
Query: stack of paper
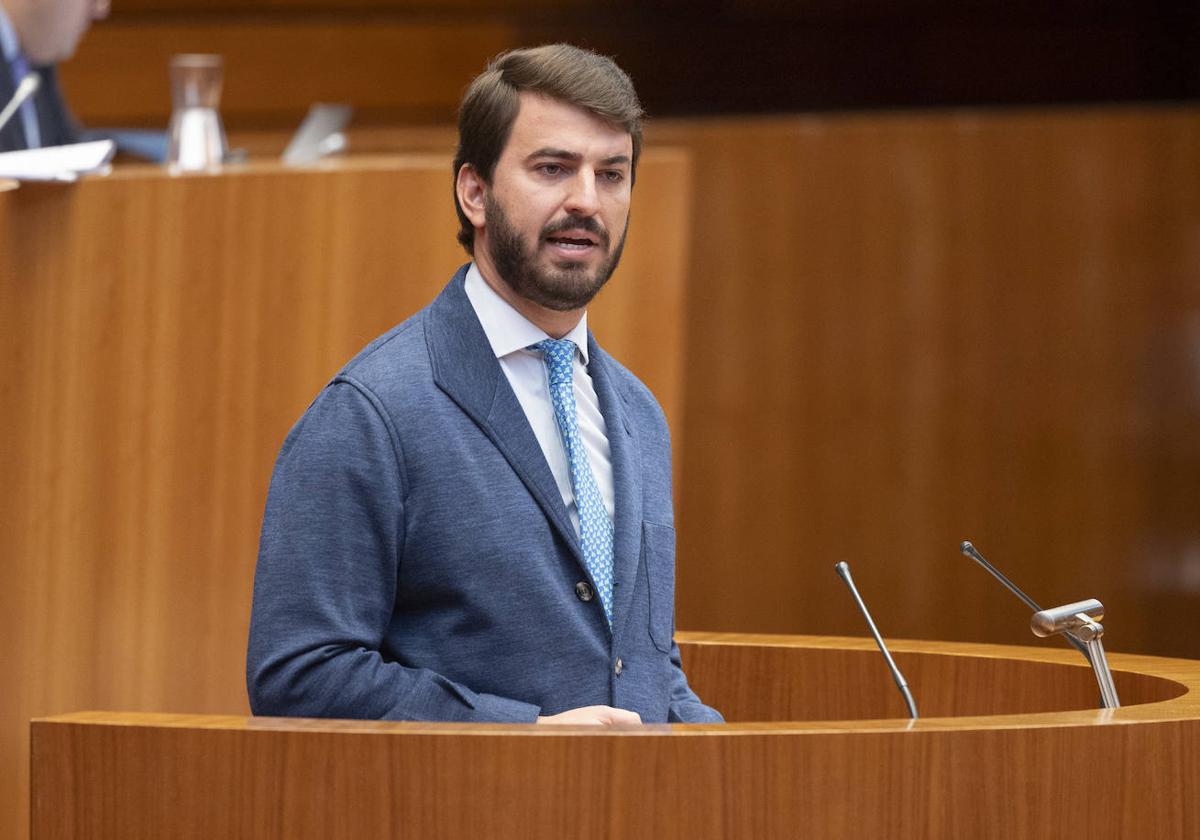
57	163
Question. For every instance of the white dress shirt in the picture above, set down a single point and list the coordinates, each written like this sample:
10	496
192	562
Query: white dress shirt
509	333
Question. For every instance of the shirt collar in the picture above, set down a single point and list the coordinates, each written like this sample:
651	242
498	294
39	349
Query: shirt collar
507	330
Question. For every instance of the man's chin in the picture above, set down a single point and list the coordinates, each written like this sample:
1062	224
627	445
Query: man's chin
568	266
565	287
566	299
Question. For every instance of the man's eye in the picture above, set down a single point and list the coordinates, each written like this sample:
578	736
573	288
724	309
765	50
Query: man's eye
614	176
550	169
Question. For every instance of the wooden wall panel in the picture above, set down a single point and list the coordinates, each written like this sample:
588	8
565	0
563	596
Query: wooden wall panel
126	9
276	68
909	330
391	57
159	337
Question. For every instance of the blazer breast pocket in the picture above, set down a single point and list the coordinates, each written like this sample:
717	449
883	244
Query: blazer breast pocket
658	553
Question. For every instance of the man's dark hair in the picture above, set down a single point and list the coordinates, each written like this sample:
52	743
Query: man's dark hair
570	74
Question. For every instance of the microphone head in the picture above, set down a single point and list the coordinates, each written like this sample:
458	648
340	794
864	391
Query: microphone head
843	569
30	83
966	548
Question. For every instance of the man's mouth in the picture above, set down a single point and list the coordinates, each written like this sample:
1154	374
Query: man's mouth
571	243
575	236
573	240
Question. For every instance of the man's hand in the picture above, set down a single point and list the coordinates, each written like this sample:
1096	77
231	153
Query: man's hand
593	716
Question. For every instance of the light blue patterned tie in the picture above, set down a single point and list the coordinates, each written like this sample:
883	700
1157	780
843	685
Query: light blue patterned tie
595	527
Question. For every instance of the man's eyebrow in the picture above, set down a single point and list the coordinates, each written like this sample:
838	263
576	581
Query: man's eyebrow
574	157
561	154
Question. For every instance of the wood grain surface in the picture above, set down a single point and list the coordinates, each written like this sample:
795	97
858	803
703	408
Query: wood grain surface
909	330
159	337
702	57
1128	772
275	68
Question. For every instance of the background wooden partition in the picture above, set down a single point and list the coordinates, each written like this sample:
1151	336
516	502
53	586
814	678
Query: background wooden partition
909	330
401	60
159	336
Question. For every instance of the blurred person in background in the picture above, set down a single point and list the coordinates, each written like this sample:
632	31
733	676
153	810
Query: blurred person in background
35	35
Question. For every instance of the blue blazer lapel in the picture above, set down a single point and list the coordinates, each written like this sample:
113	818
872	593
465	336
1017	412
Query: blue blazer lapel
624	449
54	120
465	368
12	136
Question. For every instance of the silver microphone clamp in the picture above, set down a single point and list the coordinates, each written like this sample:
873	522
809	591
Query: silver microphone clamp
1068	618
1081	621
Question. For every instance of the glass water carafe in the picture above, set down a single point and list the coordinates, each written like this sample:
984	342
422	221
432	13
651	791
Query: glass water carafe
197	138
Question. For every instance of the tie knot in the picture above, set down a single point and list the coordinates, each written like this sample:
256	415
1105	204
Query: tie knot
559	352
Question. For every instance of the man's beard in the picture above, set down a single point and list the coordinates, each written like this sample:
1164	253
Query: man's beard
564	287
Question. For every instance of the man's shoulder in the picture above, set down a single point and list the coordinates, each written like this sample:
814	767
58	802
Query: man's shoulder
394	357
399	356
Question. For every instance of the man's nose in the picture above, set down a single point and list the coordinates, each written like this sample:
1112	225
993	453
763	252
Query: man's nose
582	199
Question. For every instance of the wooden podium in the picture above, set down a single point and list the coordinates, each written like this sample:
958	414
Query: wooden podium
1010	744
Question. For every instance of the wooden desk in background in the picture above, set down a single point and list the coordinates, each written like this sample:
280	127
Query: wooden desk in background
159	336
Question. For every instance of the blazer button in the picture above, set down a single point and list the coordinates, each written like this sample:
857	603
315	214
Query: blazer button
583	591
619	667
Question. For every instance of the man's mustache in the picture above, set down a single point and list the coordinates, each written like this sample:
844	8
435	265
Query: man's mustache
586	223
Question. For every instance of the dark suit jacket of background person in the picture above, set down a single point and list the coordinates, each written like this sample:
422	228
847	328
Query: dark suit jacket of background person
54	120
417	561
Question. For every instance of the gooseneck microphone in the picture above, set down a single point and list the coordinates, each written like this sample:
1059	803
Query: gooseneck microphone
969	550
843	570
27	88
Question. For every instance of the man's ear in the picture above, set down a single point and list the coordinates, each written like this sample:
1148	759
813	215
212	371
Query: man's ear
471	190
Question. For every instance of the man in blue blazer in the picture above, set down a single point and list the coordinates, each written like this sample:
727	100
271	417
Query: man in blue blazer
473	520
34	36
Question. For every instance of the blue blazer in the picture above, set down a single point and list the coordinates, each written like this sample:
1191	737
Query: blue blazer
417	561
54	120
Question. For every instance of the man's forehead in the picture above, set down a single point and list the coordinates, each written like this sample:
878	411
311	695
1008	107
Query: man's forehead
545	122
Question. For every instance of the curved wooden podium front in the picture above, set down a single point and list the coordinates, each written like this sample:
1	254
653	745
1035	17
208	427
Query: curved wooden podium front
1009	745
